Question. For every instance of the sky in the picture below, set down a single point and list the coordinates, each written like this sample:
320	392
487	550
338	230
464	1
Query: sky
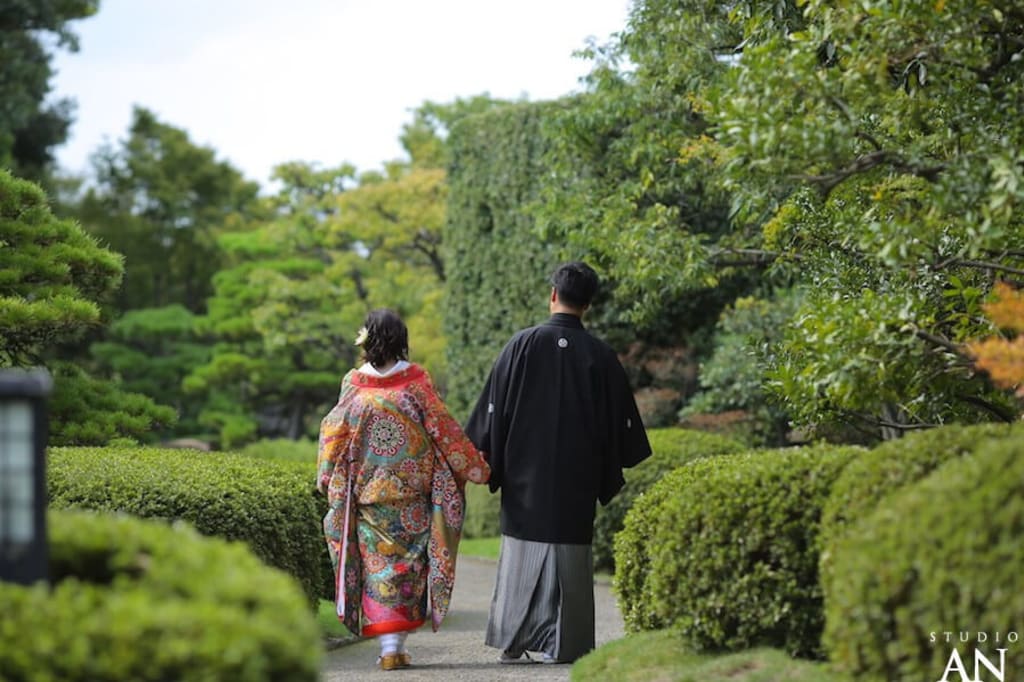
324	81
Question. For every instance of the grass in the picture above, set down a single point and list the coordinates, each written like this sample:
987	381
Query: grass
330	626
480	548
659	657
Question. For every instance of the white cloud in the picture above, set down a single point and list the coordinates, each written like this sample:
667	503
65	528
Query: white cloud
266	82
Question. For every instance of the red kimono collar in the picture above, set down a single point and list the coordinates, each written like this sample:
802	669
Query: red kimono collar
406	375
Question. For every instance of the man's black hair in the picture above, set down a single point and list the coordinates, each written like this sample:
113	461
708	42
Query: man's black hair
576	284
387	337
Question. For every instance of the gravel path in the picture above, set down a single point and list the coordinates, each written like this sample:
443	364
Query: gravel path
457	651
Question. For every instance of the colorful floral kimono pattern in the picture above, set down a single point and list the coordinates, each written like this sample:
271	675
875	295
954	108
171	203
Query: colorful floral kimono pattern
395	464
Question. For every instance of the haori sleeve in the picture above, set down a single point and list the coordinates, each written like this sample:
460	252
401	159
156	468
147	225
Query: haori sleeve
466	462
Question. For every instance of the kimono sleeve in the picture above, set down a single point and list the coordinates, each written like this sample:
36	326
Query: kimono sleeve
627	442
332	441
630	435
486	425
466	462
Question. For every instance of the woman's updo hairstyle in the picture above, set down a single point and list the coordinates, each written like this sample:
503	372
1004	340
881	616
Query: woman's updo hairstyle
387	338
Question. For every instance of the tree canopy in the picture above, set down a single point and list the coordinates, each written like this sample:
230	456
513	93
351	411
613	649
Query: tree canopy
870	150
53	277
30	124
161	200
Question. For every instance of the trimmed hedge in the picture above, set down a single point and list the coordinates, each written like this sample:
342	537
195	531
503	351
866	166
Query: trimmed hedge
896	463
633	548
137	600
889	467
270	505
671	448
732	550
944	554
285	449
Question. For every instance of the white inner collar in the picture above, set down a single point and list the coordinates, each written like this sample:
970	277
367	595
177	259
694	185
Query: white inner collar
369	369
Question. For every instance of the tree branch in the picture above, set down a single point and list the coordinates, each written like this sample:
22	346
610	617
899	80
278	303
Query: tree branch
866	162
747	257
991	408
940	342
986	265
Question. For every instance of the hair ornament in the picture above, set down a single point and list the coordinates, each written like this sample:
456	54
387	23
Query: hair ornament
361	336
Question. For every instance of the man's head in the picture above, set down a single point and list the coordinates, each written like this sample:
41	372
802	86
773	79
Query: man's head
573	287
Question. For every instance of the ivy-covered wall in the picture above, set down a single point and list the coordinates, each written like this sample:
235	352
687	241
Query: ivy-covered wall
498	267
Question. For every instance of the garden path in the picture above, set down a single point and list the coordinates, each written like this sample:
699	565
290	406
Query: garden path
457	652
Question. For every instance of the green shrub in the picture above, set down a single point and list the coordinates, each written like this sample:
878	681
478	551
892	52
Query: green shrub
269	505
896	463
733	549
496	266
888	468
483	512
633	549
137	600
944	554
286	449
672	448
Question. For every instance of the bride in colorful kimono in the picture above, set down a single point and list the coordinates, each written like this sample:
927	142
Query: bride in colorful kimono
394	465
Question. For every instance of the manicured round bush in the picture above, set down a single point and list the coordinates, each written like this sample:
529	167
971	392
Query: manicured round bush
269	505
633	549
944	554
890	467
139	600
671	449
733	549
896	463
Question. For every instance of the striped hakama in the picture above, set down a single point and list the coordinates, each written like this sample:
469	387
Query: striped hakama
543	599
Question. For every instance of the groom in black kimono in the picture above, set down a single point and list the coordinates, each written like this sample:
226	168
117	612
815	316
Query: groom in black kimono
558	422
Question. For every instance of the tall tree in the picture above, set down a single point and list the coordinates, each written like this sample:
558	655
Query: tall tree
54	276
31	126
282	313
869	150
161	200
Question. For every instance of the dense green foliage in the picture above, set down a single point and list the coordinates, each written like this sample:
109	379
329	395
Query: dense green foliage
89	411
283	316
732	550
734	376
135	600
161	200
31	124
941	555
866	150
150	351
498	270
52	274
269	505
671	448
53	279
633	551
